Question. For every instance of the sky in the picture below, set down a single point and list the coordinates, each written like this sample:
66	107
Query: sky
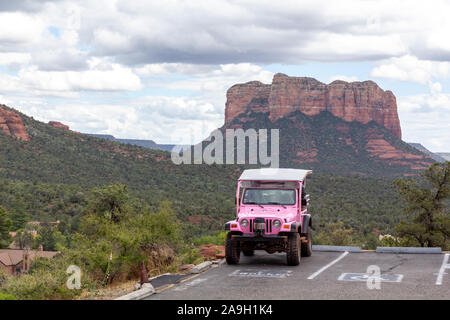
160	69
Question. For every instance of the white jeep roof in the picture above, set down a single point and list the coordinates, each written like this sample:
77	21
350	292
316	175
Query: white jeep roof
274	174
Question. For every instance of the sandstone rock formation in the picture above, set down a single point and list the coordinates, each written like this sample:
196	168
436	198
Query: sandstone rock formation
355	101
212	251
11	123
58	125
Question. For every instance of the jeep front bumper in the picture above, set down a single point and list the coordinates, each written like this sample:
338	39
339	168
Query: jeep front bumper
255	238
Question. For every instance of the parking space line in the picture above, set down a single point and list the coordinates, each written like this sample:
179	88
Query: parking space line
445	265
315	274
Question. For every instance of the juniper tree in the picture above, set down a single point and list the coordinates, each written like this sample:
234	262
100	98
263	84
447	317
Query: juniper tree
427	203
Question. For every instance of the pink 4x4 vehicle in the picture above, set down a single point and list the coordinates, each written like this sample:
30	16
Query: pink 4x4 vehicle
271	215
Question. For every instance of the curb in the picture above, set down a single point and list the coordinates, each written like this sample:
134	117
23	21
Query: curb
148	289
336	248
408	250
201	267
145	292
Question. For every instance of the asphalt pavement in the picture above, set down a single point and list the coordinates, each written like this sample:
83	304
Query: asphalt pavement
324	275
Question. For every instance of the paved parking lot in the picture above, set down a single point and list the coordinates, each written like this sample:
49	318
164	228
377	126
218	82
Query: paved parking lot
324	275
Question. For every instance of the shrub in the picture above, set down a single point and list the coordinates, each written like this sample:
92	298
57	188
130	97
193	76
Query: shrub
217	238
6	296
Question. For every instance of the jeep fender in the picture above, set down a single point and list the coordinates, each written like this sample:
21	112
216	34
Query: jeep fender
306	223
233	226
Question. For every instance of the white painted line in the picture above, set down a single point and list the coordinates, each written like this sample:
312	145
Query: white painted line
315	274
445	265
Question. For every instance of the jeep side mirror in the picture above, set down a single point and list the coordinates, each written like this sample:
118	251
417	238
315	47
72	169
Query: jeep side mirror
305	200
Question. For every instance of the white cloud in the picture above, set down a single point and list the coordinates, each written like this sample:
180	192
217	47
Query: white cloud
18	29
134	120
343	78
410	68
426	118
157	69
65	48
7	58
115	79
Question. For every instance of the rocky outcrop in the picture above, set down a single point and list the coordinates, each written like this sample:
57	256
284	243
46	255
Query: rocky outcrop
58	125
11	123
356	101
212	251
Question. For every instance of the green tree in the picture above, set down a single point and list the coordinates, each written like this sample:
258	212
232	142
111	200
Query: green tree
24	239
18	217
111	201
5	228
427	203
49	238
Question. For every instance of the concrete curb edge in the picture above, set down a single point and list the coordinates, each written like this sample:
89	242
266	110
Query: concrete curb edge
408	250
336	248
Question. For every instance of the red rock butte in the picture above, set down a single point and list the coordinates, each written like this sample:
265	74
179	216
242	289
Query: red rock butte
11	123
58	125
355	101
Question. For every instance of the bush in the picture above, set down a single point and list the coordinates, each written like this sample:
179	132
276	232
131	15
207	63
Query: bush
5	296
335	234
37	286
218	238
46	279
191	256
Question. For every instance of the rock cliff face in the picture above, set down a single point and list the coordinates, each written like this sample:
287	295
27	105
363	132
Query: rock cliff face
59	125
11	123
326	143
355	101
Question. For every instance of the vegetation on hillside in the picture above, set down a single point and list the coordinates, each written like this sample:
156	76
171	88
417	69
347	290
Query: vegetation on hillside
121	205
114	238
427	206
327	144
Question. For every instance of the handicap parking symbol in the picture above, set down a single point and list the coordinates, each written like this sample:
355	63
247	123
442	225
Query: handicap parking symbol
365	277
261	273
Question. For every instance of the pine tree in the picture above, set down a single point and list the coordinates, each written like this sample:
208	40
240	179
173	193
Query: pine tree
5	228
18	217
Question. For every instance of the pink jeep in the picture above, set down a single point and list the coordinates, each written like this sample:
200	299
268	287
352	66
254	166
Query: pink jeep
271	215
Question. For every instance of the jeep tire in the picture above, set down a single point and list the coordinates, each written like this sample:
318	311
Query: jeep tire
232	250
293	252
307	246
248	253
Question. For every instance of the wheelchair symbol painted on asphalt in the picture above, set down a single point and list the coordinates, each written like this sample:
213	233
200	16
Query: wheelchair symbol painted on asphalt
364	277
261	273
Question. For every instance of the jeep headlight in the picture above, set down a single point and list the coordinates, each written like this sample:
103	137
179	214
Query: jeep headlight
277	223
244	223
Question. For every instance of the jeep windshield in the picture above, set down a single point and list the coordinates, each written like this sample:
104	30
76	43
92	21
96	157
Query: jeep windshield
269	196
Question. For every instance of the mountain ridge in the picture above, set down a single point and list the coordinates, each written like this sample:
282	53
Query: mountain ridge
329	144
351	101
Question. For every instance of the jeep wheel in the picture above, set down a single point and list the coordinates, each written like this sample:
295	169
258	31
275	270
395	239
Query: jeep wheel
248	253
232	250
307	247
293	253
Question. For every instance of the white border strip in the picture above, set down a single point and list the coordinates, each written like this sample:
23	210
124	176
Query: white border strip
336	248
408	250
315	274
445	265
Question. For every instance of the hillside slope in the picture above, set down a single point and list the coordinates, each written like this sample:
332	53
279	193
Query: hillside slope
46	174
328	144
